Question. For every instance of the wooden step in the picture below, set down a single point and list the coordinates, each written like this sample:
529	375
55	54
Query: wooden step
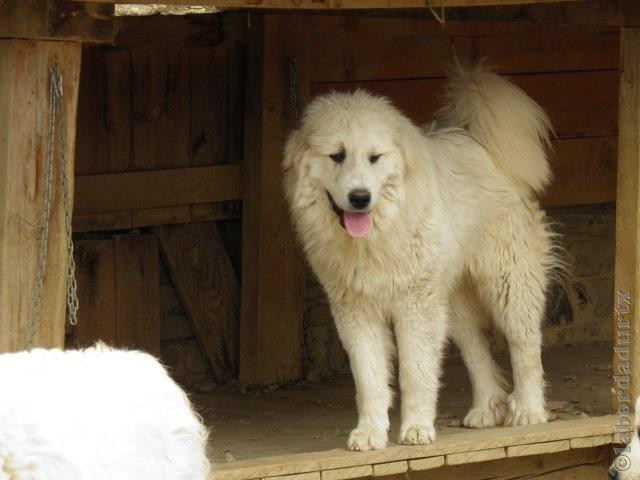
466	447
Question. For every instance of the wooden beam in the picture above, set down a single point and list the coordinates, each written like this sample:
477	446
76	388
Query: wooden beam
24	123
207	285
626	319
335	4
157	188
272	273
56	20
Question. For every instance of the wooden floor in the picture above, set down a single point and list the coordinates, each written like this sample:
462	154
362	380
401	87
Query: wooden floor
303	428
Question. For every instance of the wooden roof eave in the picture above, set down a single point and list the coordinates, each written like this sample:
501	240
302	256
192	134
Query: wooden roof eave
333	4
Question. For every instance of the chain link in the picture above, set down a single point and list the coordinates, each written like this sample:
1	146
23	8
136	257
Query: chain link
55	117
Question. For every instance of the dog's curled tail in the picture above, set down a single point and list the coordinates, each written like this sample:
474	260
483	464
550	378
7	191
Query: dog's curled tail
499	115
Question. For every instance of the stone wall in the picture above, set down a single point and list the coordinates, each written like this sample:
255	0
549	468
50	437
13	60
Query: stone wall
578	312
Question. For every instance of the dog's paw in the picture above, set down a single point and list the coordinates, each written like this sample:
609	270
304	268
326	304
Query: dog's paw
491	414
420	434
524	415
369	438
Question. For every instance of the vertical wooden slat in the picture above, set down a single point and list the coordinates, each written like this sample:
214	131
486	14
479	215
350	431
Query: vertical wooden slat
137	286
627	266
117	113
95	262
149	100
272	278
208	127
24	101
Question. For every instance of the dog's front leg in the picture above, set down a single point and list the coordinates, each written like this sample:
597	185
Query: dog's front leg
368	340
420	327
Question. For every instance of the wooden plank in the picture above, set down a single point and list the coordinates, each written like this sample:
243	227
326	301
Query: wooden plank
590	442
578	103
170	31
49	20
475	457
626	324
299	476
587	464
539	448
97	222
584	171
149	217
95	272
334	4
208	120
24	102
271	325
390	468
137	286
348	473
382	48
161	216
207	285
157	188
446	445
426	463
209	212
149	105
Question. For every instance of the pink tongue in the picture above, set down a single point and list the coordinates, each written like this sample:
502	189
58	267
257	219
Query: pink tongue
357	224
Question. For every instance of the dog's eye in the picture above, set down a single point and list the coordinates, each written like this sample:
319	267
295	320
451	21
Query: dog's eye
337	157
375	158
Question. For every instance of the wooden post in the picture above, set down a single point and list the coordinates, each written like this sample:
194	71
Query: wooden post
627	283
24	103
272	274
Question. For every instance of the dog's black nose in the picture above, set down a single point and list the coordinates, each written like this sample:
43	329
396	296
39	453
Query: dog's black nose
613	473
359	198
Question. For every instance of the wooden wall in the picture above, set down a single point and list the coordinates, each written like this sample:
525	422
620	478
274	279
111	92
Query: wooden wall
160	142
162	108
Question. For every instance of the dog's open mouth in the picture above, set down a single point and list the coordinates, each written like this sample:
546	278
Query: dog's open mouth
355	223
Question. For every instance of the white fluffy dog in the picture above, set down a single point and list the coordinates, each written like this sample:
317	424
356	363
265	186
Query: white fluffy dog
95	414
626	466
427	234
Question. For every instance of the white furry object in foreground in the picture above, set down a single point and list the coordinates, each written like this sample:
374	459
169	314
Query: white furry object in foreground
419	235
96	414
626	466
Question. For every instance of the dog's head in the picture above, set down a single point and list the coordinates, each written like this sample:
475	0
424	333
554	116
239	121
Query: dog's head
350	154
626	466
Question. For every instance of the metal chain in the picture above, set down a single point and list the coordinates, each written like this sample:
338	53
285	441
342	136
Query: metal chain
55	117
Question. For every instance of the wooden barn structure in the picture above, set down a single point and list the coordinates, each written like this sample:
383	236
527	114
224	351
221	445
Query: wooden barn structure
152	137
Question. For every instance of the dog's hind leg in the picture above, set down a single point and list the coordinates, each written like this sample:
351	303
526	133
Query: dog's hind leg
489	397
368	340
518	309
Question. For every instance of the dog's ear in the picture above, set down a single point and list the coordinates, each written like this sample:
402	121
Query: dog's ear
294	152
407	141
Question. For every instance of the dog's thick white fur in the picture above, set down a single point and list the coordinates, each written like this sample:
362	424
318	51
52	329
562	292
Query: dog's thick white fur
626	466
452	237
95	414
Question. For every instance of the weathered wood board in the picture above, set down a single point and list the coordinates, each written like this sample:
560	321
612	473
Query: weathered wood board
272	275
24	96
206	283
627	273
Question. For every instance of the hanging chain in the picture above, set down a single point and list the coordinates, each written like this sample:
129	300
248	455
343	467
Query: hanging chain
55	117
